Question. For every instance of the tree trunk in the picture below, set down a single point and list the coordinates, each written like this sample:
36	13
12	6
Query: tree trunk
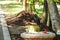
49	24
45	14
54	15
25	5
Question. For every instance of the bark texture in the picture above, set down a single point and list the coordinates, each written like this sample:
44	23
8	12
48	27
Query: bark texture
55	19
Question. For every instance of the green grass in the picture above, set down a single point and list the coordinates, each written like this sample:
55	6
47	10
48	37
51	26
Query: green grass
39	11
12	9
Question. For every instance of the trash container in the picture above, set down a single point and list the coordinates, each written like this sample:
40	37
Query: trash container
38	36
